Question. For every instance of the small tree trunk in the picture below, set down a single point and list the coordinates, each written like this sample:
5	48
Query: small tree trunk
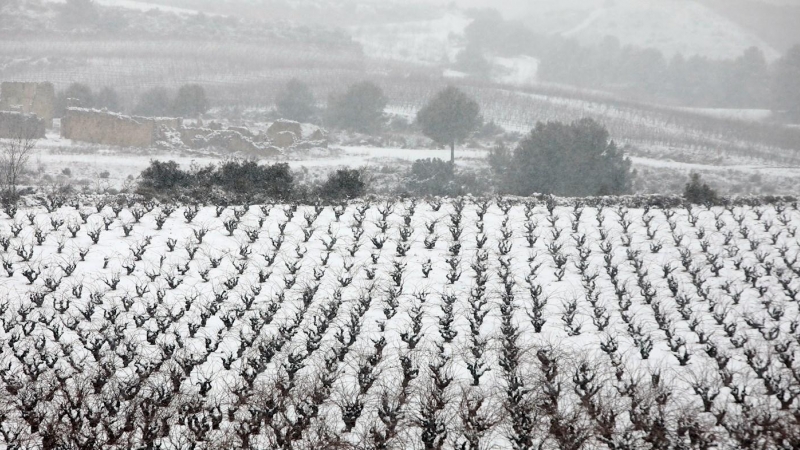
453	153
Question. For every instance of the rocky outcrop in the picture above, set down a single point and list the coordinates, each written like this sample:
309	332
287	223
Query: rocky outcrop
231	140
282	126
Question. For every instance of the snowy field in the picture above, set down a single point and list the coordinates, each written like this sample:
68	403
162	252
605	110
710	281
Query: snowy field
661	168
86	162
434	324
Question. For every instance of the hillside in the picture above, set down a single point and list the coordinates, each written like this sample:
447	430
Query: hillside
709	28
679	26
338	12
776	21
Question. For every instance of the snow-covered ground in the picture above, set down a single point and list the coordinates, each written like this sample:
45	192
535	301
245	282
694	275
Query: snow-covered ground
689	167
749	115
427	42
517	71
324	318
95	159
747	169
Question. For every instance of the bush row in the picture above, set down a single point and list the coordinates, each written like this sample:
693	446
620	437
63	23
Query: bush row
243	181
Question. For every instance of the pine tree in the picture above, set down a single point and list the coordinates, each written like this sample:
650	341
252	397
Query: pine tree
576	159
359	109
296	101
449	118
698	192
153	102
191	101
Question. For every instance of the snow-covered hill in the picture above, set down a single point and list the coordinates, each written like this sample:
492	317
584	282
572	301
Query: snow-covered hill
674	26
423	41
138	5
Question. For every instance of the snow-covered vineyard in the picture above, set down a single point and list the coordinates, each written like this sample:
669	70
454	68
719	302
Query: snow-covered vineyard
453	324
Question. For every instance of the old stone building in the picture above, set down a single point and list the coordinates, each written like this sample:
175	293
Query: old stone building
29	98
16	125
101	127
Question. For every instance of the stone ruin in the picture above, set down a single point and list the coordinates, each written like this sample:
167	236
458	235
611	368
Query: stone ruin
101	127
105	128
233	140
285	133
29	98
281	137
17	125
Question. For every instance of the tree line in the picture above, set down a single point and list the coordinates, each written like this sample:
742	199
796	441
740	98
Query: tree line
190	100
748	81
564	159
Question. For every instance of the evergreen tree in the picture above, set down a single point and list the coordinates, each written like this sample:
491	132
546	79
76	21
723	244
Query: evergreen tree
359	109
344	184
698	192
296	101
449	118
190	101
786	81
77	95
575	159
153	103
748	80
471	60
109	99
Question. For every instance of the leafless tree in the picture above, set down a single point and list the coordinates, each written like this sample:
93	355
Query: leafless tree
15	152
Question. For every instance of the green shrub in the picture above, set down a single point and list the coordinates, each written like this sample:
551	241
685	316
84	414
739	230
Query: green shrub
435	177
163	176
236	179
344	184
248	178
430	177
699	193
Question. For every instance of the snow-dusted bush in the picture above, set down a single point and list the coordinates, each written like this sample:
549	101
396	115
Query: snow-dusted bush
344	184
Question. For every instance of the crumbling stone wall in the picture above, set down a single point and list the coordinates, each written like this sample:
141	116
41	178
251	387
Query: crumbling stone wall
190	134
318	135
29	98
233	140
100	127
284	139
281	126
14	125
